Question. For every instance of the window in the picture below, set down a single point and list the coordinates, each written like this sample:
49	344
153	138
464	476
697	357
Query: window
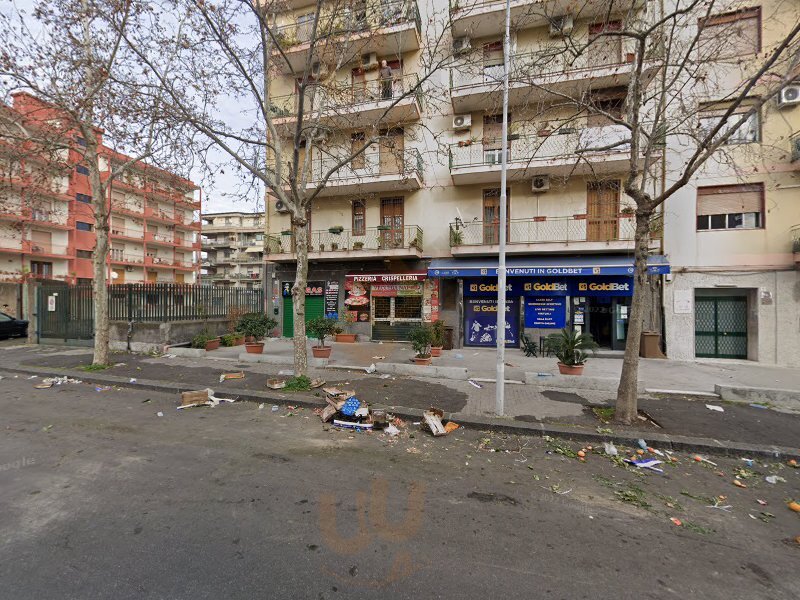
605	48
359	217
83	253
605	104
748	132
731	34
84	280
81	226
85	198
493	64
82	169
41	269
730	207
81	141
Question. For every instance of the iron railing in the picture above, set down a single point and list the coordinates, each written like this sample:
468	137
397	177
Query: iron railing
557	140
121	256
535	230
55	217
371	240
162	302
135	234
373	162
349	20
34	247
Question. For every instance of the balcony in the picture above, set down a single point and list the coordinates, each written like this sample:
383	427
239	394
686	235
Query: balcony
391	27
475	86
11	245
546	234
376	170
45	249
355	106
481	18
53	219
794	141
126	258
126	209
136	235
157	214
162	239
564	151
11	212
248	257
795	233
375	242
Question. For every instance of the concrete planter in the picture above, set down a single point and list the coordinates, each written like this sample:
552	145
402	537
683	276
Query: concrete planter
254	347
212	344
346	338
321	351
436	351
570	369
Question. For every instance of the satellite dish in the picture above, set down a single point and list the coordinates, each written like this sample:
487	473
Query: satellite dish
114	275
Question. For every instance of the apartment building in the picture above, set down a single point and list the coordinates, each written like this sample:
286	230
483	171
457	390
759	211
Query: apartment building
733	234
233	249
409	230
47	222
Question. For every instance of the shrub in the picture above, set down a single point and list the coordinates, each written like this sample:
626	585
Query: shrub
570	347
199	341
255	325
320	328
229	339
437	330
421	338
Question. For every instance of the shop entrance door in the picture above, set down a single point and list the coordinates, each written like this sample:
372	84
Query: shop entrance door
315	307
607	321
393	317
720	327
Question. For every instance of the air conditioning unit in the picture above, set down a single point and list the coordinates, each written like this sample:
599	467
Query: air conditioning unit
462	122
369	61
540	183
461	45
561	26
789	95
280	206
796	148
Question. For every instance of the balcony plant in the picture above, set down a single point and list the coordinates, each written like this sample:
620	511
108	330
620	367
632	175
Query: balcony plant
358	245
336	230
345	334
421	338
205	341
456	237
320	328
437	338
572	349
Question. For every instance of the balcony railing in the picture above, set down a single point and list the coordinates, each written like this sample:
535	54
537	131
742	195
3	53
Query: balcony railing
124	207
52	217
374	162
527	66
135	234
120	256
160	238
554	142
34	247
157	213
348	98
539	230
348	21
371	240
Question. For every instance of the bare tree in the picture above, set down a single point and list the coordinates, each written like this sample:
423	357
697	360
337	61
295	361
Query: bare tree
71	56
233	56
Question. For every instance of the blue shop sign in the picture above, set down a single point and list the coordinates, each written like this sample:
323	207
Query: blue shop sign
517	286
480	322
656	269
602	286
546	313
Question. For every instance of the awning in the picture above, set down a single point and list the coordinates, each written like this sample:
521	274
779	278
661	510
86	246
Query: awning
544	266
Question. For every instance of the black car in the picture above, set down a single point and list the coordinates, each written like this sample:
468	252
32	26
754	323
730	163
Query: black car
11	327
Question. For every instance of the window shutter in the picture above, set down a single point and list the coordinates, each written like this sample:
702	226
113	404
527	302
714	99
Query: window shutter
729	199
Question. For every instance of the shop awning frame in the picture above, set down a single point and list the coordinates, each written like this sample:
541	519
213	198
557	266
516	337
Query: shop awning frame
545	266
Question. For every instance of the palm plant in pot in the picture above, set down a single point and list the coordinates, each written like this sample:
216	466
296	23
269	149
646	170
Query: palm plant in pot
255	327
437	343
572	349
421	338
345	334
320	328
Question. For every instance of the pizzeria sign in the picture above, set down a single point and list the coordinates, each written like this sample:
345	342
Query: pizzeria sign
388	277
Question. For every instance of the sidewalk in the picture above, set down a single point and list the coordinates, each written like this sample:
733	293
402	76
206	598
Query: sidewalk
525	404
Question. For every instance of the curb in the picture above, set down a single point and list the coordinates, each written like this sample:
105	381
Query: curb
663	441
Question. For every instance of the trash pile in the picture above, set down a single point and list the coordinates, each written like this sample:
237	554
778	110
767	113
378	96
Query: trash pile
49	382
345	411
201	398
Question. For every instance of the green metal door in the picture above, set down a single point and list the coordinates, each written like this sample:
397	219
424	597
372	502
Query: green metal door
315	307
720	326
66	312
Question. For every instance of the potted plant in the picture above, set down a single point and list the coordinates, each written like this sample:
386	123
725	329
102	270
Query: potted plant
421	338
320	328
255	326
358	245
456	237
336	230
344	334
571	348
204	340
437	341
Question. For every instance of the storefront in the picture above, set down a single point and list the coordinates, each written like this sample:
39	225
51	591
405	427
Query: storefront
315	304
392	303
592	294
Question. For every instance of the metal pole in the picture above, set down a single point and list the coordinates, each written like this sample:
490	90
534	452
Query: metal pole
501	264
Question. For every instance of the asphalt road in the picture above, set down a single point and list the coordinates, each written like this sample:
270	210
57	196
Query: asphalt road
102	498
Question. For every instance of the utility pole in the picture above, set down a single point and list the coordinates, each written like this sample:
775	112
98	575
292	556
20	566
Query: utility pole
501	258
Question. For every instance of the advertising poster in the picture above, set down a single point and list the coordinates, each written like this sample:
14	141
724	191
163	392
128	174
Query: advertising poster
480	322
546	313
332	299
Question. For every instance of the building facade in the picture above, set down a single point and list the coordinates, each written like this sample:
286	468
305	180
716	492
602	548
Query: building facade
408	231
47	221
233	249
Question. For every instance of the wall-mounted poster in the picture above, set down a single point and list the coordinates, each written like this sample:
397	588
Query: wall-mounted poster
546	313
480	322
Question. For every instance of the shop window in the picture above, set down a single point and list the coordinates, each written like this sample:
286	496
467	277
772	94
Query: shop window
408	307
383	307
359	217
730	207
731	34
748	132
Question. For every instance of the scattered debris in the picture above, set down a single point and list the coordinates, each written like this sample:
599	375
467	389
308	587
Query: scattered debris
738	483
642	444
474	383
102	388
226	376
748	461
761	502
159	414
434	422
610	449
352	425
378	357
773	479
276	384
676	521
715	408
261	406
757	405
276	408
451	426
649	464
132	380
385	376
286	372
391	429
371	369
43	386
795	506
698	458
317	383
60	380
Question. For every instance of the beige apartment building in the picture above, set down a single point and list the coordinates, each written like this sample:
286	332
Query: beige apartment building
233	249
408	231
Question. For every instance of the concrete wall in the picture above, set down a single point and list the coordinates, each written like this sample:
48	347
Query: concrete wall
147	336
11	299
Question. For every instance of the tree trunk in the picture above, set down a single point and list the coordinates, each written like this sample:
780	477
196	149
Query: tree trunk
627	393
101	324
300	232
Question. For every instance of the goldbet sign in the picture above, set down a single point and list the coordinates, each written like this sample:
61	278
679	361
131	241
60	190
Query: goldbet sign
604	287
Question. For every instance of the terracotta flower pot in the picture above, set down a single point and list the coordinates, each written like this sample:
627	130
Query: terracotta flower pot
321	351
422	360
238	340
436	351
212	344
346	338
570	369
254	347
